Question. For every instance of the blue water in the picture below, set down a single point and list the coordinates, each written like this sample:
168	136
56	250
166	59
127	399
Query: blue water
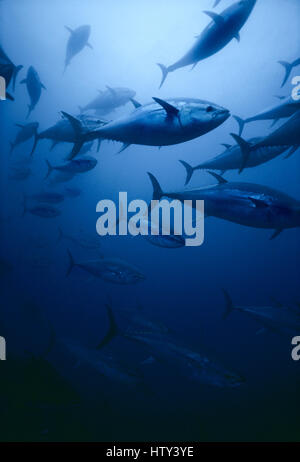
183	286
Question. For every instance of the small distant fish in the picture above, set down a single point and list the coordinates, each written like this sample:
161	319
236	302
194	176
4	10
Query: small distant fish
26	132
85	241
19	173
43	211
46	197
109	269
278	319
288	69
168	241
72	192
78	39
223	28
9	71
34	88
74	166
109	100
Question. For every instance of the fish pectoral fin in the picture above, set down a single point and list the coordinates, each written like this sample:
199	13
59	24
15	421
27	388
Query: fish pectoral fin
291	152
194	65
258	203
274	122
219	178
89	46
19	125
23	81
227	146
135	103
237	37
276	233
217	18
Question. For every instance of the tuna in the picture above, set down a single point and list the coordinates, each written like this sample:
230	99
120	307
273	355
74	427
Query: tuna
160	123
109	100
79	38
34	88
275	113
246	204
25	133
220	31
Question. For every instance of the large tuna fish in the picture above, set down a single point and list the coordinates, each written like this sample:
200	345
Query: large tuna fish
160	123
220	31
243	203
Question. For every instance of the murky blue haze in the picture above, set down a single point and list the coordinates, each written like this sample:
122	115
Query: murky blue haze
61	397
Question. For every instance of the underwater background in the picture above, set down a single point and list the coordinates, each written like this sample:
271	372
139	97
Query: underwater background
70	399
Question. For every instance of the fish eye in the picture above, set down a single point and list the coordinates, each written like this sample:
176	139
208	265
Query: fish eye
209	109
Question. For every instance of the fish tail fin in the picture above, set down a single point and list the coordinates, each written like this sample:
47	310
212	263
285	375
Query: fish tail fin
229	307
288	69
164	71
50	168
189	171
71	263
245	150
241	123
112	330
16	71
157	191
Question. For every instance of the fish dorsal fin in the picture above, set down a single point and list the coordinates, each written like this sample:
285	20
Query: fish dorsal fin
111	90
219	178
135	103
69	29
259	203
217	18
170	110
76	124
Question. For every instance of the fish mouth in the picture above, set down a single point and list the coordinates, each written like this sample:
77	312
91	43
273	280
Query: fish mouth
222	114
